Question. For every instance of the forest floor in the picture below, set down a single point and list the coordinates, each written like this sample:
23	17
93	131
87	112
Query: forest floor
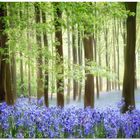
106	99
112	98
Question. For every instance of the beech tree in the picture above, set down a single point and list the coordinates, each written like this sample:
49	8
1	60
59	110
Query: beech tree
59	50
89	83
39	57
46	74
129	69
6	77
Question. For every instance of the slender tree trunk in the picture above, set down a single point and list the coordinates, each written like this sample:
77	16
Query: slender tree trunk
52	75
13	75
114	53
129	69
29	66
29	59
135	82
124	37
46	78
80	63
69	59
95	57
95	54
40	91
21	74
2	91
59	48
12	54
25	71
89	83
107	57
100	64
118	55
114	59
74	48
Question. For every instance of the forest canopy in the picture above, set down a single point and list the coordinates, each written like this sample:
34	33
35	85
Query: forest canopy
65	49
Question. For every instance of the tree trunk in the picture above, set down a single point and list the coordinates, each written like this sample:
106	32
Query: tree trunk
129	69
21	74
69	59
118	55
13	75
2	91
59	48
95	54
100	64
6	86
3	39
80	63
29	59
124	37
89	83
29	67
74	48
10	97
114	55
95	57
107	58
135	82
46	78
40	91
53	83
13	56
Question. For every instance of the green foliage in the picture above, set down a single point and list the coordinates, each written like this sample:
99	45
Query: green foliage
87	17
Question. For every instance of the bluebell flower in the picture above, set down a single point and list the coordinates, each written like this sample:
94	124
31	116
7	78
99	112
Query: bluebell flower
121	103
55	122
40	101
20	135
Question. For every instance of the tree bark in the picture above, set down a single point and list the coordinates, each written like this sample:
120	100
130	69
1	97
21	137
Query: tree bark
53	78
39	57
3	39
21	74
107	59
100	64
10	97
59	48
75	60
2	91
21	63
89	83
6	87
69	59
80	63
118	54
29	59
12	54
129	69
46	78
95	57
13	75
135	82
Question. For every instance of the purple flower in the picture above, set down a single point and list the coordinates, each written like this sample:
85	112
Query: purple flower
28	120
40	101
20	135
121	103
